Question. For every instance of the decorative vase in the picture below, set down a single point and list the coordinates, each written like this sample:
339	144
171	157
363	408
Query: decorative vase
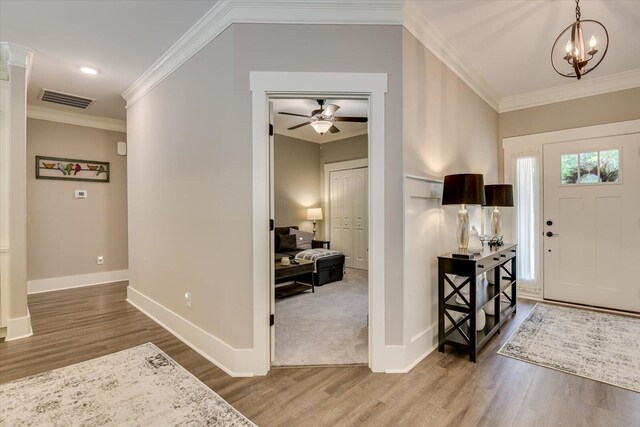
481	320
490	308
475	245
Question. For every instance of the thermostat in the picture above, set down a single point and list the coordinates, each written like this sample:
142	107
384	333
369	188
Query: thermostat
81	194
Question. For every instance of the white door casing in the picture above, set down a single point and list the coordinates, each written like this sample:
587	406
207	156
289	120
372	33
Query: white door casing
272	215
591	256
265	84
535	143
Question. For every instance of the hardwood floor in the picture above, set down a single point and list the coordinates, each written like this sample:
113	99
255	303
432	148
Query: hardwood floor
444	389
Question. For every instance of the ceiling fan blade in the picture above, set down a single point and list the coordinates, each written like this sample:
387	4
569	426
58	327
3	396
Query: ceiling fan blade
351	119
331	108
334	129
293	114
298	126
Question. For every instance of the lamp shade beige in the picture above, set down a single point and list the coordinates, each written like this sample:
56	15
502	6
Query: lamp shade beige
314	214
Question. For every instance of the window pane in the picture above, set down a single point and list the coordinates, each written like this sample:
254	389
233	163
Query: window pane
609	165
588	167
569	165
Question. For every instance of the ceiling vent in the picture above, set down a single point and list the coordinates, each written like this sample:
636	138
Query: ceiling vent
65	99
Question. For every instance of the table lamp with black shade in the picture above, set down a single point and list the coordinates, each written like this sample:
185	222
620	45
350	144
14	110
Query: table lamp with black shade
498	195
463	189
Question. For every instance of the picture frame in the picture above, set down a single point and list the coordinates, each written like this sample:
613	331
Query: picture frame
66	169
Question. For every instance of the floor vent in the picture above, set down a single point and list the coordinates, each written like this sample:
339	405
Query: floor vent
65	99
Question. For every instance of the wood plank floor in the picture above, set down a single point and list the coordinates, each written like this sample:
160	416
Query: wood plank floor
444	389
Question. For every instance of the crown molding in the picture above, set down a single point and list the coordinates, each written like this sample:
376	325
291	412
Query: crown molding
34	112
227	12
417	24
577	89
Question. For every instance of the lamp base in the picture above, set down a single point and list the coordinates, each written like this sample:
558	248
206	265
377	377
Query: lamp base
462	229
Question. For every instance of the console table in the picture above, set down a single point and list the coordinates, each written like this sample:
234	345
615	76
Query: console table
456	274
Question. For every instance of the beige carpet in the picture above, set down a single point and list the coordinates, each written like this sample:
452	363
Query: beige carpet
328	327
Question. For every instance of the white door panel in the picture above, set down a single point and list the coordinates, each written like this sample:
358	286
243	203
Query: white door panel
592	256
348	215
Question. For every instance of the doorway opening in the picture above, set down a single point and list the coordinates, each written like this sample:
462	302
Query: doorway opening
319	205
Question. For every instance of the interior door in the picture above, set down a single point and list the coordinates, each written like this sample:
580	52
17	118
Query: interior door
592	222
361	228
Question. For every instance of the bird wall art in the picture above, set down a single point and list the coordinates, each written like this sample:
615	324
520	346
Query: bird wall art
72	169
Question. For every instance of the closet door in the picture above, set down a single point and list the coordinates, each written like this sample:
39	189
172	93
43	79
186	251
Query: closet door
361	226
348	199
342	210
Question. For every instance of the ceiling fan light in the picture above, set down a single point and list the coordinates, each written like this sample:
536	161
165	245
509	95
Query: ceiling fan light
321	126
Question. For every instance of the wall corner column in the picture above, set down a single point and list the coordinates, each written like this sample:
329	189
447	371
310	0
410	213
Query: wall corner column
14	313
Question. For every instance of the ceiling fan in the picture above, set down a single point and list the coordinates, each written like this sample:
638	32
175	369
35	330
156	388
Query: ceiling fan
322	119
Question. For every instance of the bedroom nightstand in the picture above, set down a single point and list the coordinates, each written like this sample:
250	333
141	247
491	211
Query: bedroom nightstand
326	244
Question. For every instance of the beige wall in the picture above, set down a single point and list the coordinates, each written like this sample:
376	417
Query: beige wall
189	191
190	162
593	110
447	129
299	176
344	48
296	180
65	234
356	147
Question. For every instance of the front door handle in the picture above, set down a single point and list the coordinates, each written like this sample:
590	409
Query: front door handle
550	234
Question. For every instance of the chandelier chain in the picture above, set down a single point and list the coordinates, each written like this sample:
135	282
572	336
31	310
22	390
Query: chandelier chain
577	10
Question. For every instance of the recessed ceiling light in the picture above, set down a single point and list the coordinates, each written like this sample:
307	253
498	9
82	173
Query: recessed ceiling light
88	70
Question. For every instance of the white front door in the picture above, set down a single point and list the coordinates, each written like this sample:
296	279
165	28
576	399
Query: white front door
591	222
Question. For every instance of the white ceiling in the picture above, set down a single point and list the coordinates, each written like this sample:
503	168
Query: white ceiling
509	42
348	107
505	42
119	38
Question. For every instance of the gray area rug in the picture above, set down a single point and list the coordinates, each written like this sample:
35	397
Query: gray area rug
140	386
328	327
595	345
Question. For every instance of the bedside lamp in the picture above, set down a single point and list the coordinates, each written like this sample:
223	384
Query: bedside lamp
314	214
498	195
463	189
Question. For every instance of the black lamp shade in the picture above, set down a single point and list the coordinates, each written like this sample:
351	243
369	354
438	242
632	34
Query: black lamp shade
498	195
463	189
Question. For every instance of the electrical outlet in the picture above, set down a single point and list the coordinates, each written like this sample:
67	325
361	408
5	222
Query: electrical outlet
100	260
187	299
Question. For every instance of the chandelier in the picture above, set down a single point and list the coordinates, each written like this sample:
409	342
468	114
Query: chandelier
573	59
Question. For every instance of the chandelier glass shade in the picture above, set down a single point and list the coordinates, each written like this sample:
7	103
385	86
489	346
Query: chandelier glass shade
574	56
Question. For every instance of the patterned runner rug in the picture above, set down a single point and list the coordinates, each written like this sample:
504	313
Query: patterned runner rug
140	386
599	346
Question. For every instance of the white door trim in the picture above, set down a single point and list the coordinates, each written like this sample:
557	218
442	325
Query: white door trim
366	85
534	143
332	167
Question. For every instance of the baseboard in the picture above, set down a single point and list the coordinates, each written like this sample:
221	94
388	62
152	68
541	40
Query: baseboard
19	328
69	282
231	360
402	359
